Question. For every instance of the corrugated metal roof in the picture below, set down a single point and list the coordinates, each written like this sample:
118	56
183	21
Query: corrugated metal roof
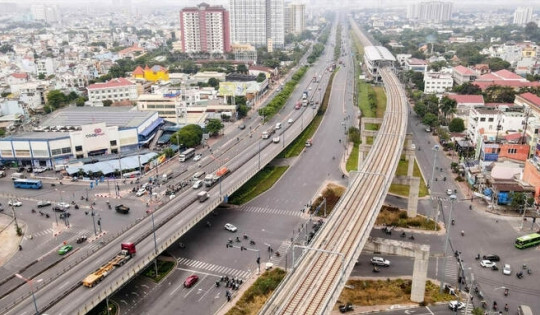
123	117
378	53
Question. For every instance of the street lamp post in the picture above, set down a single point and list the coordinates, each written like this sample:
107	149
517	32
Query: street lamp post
435	151
452	199
259	154
94	221
31	290
155	240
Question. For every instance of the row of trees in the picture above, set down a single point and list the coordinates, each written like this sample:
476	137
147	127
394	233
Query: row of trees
191	135
434	112
56	99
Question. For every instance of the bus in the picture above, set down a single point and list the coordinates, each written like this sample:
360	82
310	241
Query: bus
186	155
28	183
527	240
132	174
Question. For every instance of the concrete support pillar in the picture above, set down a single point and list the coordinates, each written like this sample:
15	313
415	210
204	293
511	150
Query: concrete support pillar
363	150
420	269
414	189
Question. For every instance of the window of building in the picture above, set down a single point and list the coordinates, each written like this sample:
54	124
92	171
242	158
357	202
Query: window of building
56	151
114	151
113	142
512	151
6	153
22	152
491	119
483	119
79	156
66	150
78	148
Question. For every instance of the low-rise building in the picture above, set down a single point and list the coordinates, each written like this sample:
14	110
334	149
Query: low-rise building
463	74
116	90
416	65
436	82
491	124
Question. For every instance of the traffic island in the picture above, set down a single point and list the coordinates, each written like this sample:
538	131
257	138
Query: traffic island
253	299
367	295
326	200
394	217
165	264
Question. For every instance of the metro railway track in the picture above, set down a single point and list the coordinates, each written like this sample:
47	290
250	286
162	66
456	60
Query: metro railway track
319	272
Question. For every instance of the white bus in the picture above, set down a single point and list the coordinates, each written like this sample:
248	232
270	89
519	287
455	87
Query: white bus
186	155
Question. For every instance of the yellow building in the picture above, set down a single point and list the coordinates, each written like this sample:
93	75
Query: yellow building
156	73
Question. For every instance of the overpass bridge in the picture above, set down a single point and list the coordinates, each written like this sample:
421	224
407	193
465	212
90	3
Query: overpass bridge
317	279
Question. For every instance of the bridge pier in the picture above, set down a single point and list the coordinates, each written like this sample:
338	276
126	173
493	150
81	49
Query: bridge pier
420	252
364	134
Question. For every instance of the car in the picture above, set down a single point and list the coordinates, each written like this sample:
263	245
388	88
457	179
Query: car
487	264
44	203
39	170
140	192
14	203
456	305
242	127
290	121
64	249
63	205
197	184
379	261
507	270
81	239
190	281
491	257
275	140
230	227
428	129
58	209
197	157
449	192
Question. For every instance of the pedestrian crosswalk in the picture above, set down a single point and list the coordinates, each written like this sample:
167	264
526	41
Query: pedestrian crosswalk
282	250
263	210
220	270
47	232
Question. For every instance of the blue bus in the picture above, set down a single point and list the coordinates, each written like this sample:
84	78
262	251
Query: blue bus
28	183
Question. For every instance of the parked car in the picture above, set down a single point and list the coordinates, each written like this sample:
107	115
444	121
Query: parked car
379	261
456	305
487	264
507	270
492	257
14	203
230	227
39	170
43	203
190	281
64	249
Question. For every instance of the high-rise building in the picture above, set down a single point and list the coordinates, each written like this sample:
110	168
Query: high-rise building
205	28
46	13
257	22
431	11
295	18
523	15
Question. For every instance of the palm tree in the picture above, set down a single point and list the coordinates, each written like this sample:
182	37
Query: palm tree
447	106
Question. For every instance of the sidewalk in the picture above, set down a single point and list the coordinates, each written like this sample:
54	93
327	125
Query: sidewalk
9	240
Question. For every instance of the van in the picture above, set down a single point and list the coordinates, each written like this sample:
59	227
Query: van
203	195
15	176
59	167
278	126
198	175
524	310
167	176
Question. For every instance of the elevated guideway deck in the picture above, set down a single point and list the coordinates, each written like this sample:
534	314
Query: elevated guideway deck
318	277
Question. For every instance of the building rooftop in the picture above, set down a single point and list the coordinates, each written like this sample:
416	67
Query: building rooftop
118	82
467	99
531	98
378	53
464	70
123	117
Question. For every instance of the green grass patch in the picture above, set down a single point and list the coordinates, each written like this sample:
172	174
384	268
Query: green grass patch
332	193
261	182
254	298
163	267
381	100
403	190
352	161
377	292
394	217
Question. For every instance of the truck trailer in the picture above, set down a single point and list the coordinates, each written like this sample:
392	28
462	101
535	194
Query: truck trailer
127	251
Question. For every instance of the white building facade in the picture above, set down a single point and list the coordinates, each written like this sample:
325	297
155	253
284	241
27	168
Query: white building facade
257	22
116	90
523	15
436	82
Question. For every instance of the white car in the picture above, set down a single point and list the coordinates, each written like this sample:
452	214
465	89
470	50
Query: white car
39	170
452	305
14	203
449	191
230	227
198	184
275	140
290	121
140	192
379	261
63	205
507	270
197	157
487	264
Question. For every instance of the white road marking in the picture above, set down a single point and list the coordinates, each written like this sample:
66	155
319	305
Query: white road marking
193	287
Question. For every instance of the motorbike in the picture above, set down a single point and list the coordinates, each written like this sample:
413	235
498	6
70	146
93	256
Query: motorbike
477	257
181	245
453	222
20	247
346	308
33	211
519	275
238	239
245	236
506	307
506	292
376	269
217	284
494	305
47	215
411	237
77	207
252	242
529	271
278	254
402	234
462	233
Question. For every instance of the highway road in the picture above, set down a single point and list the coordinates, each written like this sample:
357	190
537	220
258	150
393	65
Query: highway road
69	277
271	219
